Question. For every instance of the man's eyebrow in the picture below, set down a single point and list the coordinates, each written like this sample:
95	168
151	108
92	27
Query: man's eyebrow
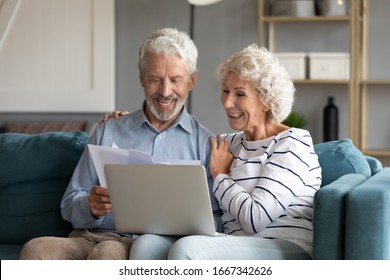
177	77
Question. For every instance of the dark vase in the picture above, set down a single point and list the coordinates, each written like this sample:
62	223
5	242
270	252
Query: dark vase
331	121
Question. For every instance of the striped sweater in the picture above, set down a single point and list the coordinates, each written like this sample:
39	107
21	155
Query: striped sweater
270	187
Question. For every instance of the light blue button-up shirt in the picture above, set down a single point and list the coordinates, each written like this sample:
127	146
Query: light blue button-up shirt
186	139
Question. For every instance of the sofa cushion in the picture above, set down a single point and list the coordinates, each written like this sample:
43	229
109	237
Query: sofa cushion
35	171
41	127
10	251
340	157
375	165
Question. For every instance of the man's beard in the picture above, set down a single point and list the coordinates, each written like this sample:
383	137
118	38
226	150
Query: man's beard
163	115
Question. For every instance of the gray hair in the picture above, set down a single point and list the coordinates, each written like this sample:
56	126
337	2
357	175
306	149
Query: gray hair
268	76
169	41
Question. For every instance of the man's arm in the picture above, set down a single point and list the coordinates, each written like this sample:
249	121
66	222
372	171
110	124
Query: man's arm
79	206
75	204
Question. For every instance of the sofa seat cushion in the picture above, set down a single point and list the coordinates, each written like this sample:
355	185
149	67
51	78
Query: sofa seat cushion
10	251
340	157
35	170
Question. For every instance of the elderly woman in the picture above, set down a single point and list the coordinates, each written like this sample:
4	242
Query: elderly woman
265	175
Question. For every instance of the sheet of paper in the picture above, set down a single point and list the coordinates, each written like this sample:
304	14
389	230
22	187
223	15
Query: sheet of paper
137	157
106	155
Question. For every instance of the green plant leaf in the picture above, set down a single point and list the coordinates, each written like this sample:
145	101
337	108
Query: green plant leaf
295	119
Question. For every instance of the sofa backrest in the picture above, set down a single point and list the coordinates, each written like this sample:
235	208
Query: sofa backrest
35	170
341	157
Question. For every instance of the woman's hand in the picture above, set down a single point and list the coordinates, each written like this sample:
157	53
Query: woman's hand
116	115
220	158
99	201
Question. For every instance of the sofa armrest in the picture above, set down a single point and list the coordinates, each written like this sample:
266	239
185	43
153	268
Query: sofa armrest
368	219
329	217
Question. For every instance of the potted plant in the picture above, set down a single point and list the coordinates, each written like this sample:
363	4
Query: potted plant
295	119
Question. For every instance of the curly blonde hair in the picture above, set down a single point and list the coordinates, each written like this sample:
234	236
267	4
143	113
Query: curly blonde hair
262	68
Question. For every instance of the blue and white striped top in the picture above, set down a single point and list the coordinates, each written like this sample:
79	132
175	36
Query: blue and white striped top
270	189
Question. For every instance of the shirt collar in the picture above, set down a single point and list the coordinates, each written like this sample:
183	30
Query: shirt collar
183	120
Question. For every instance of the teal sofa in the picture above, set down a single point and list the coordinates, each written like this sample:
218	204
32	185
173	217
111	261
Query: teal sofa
35	170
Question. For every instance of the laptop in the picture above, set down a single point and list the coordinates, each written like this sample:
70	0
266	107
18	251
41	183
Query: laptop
160	199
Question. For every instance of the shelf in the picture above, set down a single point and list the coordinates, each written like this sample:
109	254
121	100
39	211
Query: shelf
316	82
376	82
304	19
376	153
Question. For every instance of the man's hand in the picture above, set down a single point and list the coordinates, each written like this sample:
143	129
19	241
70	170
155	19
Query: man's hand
116	115
220	158
99	201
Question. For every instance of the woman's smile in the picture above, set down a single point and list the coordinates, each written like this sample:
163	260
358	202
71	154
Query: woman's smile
235	115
